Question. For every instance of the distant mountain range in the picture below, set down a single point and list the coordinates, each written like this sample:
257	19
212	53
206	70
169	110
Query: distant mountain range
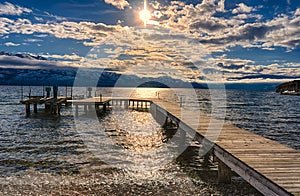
13	71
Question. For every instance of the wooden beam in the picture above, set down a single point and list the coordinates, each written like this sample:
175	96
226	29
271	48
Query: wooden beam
224	173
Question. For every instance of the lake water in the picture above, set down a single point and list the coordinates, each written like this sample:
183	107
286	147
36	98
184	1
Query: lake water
40	153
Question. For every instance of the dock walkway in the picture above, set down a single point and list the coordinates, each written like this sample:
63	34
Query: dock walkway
270	167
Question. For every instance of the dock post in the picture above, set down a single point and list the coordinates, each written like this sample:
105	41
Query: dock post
48	90
55	91
181	103
104	107
224	173
89	89
35	107
58	109
126	104
85	108
29	95
76	110
54	108
206	158
22	96
28	108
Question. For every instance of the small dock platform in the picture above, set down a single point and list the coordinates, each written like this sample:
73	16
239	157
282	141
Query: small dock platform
53	105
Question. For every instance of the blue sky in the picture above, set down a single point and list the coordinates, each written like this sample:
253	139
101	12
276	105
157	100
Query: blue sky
225	40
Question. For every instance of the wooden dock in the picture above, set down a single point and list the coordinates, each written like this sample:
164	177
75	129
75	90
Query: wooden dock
102	103
53	105
270	167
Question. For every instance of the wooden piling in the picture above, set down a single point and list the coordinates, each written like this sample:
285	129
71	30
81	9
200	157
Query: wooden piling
104	107
76	110
27	108
35	107
224	173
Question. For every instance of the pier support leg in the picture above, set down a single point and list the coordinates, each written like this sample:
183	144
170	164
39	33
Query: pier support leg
27	108
85	108
54	109
76	110
47	107
35	108
58	109
206	159
224	173
104	108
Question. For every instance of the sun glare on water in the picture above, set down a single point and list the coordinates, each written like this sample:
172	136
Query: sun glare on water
145	15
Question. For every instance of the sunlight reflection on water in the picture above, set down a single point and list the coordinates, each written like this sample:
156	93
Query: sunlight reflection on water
53	145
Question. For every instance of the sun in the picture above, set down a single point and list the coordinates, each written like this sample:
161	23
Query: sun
145	15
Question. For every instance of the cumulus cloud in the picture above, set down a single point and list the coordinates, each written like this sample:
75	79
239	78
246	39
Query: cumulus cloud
154	53
243	28
73	30
121	4
242	8
11	9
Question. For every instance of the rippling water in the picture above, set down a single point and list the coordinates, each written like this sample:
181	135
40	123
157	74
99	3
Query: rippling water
63	146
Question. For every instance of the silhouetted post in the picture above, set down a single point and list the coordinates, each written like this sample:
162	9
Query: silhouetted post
66	91
48	90
22	96
29	92
89	89
43	90
72	93
55	90
100	97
